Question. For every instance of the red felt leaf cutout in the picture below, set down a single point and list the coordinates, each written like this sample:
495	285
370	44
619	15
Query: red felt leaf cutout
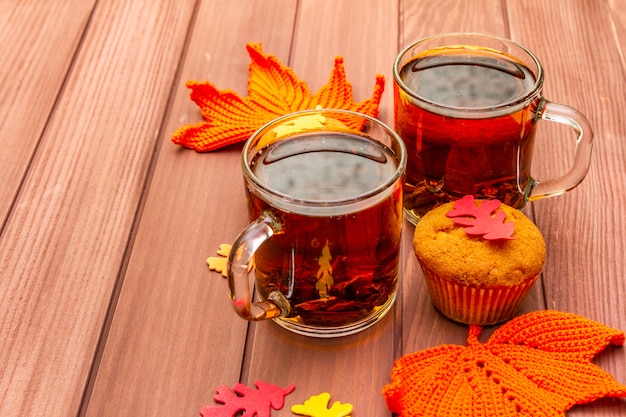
247	400
481	220
538	365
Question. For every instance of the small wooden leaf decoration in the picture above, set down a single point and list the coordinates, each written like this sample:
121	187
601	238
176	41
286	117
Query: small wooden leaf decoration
480	220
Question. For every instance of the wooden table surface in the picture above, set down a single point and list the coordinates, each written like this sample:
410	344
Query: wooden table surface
107	307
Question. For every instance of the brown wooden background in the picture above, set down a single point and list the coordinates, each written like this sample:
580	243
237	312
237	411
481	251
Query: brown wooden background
107	307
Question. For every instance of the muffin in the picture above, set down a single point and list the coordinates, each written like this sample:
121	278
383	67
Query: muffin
480	258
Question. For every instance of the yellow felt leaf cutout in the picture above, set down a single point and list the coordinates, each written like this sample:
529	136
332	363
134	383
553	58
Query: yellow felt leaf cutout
317	406
273	90
538	365
218	264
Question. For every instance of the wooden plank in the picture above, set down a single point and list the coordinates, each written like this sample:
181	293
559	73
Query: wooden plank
617	22
428	327
32	78
63	246
174	337
583	233
355	368
584	229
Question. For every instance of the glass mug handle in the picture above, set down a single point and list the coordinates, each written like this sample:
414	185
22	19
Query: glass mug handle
239	265
582	158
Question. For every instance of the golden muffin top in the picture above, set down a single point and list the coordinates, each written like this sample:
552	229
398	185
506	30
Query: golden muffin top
446	248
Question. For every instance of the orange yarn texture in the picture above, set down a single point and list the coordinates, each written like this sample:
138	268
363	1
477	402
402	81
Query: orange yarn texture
273	90
538	365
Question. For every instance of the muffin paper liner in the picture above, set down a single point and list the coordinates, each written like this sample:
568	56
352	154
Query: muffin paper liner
476	304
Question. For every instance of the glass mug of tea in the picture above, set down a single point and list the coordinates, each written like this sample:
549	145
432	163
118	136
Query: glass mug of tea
466	106
324	191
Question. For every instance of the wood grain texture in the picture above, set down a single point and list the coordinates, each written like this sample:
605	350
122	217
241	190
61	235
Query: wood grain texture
32	78
364	36
65	239
352	369
617	23
584	228
174	336
429	328
107	307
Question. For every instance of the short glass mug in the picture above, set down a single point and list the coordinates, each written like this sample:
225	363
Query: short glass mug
324	191
466	106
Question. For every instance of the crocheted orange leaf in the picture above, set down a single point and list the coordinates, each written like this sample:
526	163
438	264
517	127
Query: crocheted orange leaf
273	90
535	365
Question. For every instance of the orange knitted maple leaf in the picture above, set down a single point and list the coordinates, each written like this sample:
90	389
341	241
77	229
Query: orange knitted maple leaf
273	90
538	365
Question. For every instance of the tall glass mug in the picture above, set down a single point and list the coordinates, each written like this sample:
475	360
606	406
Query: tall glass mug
466	106
324	190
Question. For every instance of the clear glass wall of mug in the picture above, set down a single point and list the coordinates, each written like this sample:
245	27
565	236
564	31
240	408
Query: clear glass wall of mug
324	191
466	106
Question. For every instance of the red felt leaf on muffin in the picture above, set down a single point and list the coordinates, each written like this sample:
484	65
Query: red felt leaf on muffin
480	221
